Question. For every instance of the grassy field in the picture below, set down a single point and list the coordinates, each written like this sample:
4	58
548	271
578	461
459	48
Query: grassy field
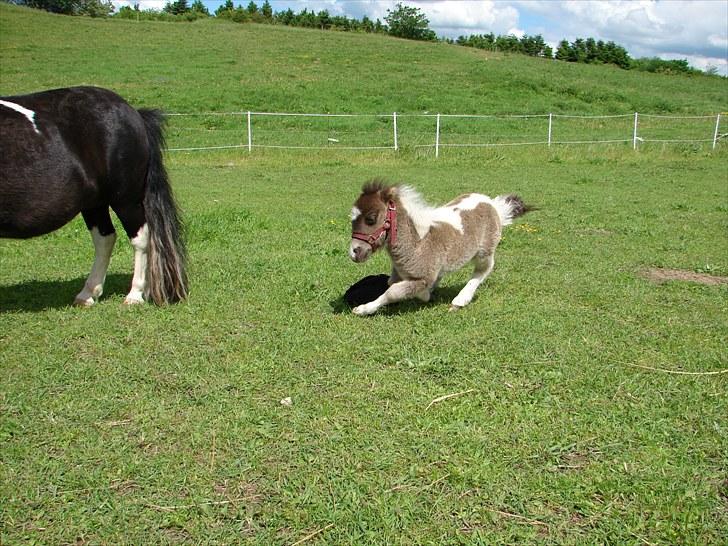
140	425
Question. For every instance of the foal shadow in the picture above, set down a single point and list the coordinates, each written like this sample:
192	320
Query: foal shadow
441	296
40	295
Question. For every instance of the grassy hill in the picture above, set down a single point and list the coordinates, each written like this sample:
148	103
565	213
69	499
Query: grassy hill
590	400
218	65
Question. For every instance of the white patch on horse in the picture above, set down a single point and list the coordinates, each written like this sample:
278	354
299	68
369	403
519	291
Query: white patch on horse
425	216
94	286
27	113
139	282
355	213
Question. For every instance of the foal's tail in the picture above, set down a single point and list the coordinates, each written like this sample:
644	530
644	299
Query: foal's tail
510	207
166	256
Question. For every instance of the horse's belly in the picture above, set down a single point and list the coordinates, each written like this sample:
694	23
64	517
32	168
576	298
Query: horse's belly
27	224
27	211
40	197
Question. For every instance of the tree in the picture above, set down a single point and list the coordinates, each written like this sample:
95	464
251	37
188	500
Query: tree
178	7
323	20
92	8
95	8
563	51
592	53
366	24
252	8
225	9
286	17
408	22
267	10
199	8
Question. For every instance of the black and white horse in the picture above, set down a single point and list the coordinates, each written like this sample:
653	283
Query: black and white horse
84	149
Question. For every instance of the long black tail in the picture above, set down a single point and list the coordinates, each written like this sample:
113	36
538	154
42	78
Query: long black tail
167	255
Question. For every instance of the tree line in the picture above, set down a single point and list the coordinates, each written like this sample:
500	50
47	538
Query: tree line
402	21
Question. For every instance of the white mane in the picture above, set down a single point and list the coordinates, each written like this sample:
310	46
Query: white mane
422	214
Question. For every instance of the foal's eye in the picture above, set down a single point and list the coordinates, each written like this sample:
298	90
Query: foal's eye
370	221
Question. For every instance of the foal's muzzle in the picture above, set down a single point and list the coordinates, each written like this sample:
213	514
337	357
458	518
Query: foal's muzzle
359	251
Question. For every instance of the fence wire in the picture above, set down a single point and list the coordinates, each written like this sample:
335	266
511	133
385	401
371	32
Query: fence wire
249	130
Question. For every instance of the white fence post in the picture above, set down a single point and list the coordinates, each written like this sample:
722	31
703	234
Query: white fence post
396	144
550	125
437	137
715	133
250	134
634	133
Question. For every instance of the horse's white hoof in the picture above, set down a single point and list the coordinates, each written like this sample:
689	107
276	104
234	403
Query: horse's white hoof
133	300
83	302
454	307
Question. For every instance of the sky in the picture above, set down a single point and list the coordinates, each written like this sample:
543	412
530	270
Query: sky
696	30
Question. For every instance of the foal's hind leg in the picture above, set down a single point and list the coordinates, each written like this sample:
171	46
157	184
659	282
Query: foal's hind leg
99	223
483	267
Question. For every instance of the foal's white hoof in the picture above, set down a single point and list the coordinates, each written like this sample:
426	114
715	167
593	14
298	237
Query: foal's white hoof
454	307
84	302
133	300
363	310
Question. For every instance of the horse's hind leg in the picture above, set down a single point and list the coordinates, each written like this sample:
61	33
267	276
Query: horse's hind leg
483	267
134	222
103	234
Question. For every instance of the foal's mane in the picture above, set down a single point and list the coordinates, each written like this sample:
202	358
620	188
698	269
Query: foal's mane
423	215
375	185
407	194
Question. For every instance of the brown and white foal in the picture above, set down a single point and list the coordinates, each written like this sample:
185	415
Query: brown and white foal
426	242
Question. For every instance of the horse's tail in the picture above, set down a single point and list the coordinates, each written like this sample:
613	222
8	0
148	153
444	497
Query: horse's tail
510	207
166	255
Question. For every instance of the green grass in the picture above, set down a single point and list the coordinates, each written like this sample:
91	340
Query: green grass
164	425
221	66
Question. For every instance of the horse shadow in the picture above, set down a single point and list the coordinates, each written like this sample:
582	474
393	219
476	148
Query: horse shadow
35	296
441	295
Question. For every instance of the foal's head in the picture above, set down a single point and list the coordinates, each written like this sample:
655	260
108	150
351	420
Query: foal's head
373	220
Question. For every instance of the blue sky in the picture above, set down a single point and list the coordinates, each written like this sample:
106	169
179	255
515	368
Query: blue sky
696	30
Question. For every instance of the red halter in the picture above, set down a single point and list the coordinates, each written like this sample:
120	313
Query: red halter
389	226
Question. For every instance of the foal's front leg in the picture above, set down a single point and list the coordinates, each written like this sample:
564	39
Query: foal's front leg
399	291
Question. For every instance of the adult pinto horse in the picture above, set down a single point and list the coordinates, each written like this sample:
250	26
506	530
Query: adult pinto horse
426	242
84	149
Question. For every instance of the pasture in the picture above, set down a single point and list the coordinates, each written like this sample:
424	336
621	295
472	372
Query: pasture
165	425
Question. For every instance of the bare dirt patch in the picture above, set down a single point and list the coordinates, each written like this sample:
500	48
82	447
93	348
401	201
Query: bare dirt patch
660	276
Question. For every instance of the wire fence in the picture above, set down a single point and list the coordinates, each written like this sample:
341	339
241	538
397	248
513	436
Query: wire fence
435	132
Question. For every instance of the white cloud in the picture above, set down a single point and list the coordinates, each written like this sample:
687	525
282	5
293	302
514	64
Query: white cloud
718	41
517	32
646	28
700	62
461	17
143	4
